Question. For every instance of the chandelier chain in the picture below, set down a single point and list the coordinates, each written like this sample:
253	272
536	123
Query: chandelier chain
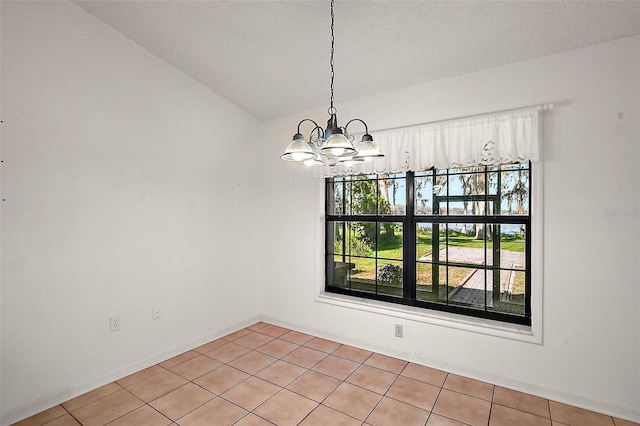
332	110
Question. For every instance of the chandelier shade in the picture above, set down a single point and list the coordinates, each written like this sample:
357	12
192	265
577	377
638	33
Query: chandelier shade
332	146
368	149
298	150
337	145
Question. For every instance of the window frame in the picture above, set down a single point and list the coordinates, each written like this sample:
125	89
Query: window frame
410	221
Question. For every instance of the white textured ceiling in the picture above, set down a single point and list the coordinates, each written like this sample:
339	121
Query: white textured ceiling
271	58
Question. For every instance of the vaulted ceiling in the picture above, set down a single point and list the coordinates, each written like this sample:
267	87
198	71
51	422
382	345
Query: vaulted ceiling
271	58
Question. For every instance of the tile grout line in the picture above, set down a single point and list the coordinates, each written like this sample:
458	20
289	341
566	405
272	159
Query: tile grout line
317	372
192	382
345	381
73	417
493	392
281	387
256	377
437	396
385	392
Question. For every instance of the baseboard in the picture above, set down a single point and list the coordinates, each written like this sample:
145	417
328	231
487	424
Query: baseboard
621	412
44	403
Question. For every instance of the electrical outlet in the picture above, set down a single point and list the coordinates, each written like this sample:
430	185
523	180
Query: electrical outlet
399	331
155	312
115	324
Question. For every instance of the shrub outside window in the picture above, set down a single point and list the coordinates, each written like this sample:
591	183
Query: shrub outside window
455	240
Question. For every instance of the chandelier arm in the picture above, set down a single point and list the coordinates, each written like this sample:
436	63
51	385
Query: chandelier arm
307	119
320	135
366	129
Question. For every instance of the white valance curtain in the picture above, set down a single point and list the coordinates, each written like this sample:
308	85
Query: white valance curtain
491	139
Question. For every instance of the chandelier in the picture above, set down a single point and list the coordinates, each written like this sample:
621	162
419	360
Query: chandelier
333	145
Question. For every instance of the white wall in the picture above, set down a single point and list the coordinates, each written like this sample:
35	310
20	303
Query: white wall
590	354
121	193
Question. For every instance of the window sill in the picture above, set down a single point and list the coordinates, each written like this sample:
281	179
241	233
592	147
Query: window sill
445	319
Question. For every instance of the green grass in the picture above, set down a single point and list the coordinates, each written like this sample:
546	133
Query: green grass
507	242
391	249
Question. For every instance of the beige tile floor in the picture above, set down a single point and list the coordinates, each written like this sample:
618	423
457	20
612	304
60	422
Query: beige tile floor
265	375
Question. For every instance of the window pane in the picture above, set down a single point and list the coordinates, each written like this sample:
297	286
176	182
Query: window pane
430	189
459	276
431	242
423	240
467	208
428	288
466	286
340	267
352	193
336	236
362	276
440	191
467	183
335	197
361	238
466	243
492	184
364	196
423	187
390	240
390	278
510	240
512	297
392	194
515	190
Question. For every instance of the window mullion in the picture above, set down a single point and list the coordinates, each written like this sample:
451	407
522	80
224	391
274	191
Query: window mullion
409	240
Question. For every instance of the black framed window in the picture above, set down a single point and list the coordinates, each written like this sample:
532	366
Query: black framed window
455	240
